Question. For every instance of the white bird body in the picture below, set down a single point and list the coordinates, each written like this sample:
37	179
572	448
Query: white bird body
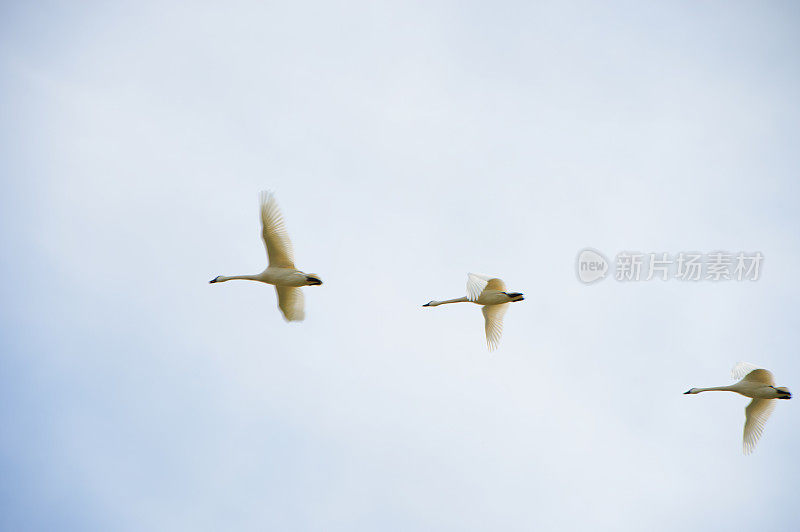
281	271
274	276
758	384
489	292
488	297
754	390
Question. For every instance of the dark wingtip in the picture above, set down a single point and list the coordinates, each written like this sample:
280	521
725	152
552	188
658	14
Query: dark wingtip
688	392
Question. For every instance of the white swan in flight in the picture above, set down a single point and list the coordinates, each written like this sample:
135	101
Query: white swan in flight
491	293
758	384
281	271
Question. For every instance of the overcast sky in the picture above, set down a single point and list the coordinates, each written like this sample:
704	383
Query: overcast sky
407	144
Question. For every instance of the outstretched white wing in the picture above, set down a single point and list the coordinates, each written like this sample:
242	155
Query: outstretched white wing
291	302
493	314
478	282
749	372
273	231
756	415
741	369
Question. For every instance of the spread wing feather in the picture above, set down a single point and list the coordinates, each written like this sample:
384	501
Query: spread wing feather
291	302
763	376
478	282
273	231
741	369
493	315
756	415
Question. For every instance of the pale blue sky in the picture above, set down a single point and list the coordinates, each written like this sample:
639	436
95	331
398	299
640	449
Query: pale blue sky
407	144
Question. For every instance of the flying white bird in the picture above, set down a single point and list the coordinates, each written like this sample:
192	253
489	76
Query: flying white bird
758	384
281	271
491	293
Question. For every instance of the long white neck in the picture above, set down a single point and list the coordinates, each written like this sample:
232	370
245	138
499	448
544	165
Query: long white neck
714	389
457	300
222	278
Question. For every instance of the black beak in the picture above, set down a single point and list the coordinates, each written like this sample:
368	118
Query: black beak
313	281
